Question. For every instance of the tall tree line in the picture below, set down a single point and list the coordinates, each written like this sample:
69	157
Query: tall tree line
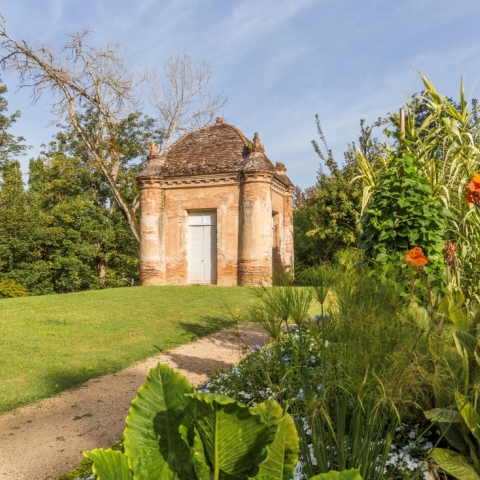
61	231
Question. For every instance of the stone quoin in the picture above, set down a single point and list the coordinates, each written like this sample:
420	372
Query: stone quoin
214	210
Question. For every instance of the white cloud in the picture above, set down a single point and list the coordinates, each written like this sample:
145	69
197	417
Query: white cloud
56	11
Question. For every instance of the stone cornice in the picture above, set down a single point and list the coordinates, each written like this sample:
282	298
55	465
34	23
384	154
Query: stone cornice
153	181
192	181
262	176
281	188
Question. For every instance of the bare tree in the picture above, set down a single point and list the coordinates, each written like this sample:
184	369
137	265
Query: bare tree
183	99
81	77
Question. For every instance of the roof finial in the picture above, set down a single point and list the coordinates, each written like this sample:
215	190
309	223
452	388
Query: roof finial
256	147
153	149
154	156
219	121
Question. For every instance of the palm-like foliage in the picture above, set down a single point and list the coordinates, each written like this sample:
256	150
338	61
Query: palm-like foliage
447	144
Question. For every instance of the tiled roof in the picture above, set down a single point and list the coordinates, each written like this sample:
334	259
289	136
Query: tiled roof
219	148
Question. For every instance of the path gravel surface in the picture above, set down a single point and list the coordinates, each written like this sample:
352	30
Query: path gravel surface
45	439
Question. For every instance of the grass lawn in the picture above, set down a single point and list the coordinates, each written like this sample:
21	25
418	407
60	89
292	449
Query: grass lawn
55	342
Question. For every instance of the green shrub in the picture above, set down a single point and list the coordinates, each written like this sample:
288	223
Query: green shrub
12	289
403	214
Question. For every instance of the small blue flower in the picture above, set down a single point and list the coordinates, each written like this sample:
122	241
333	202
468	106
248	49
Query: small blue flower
300	394
256	347
286	359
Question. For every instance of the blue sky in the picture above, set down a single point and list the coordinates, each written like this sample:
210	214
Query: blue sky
279	61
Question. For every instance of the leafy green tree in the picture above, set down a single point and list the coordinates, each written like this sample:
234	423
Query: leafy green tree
307	247
65	232
132	134
17	226
328	220
117	251
82	237
10	145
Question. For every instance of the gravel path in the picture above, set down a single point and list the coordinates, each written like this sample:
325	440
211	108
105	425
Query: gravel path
44	440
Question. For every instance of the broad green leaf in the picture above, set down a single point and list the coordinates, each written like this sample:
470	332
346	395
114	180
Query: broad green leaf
476	353
468	413
352	474
109	464
420	316
454	464
234	438
443	415
199	458
443	308
271	413
454	436
192	438
467	340
457	316
282	454
459	297
153	443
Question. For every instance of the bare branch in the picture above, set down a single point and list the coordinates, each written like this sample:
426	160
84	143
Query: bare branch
80	77
184	100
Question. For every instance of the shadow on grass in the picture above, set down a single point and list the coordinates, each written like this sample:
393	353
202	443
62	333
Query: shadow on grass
58	380
207	325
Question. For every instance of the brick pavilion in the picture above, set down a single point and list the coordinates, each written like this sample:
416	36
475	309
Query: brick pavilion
214	210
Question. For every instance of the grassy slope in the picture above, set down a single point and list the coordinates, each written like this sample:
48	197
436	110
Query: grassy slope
51	343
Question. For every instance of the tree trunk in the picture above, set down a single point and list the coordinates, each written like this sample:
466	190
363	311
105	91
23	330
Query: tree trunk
102	272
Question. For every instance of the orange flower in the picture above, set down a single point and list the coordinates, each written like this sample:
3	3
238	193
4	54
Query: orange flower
473	190
474	185
415	257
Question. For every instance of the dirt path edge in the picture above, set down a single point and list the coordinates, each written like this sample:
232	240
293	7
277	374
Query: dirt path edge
45	439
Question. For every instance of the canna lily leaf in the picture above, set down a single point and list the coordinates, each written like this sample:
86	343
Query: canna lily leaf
457	316
454	436
109	464
420	316
153	443
454	464
443	415
468	413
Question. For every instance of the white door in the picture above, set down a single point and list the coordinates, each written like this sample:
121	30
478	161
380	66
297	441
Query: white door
202	246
